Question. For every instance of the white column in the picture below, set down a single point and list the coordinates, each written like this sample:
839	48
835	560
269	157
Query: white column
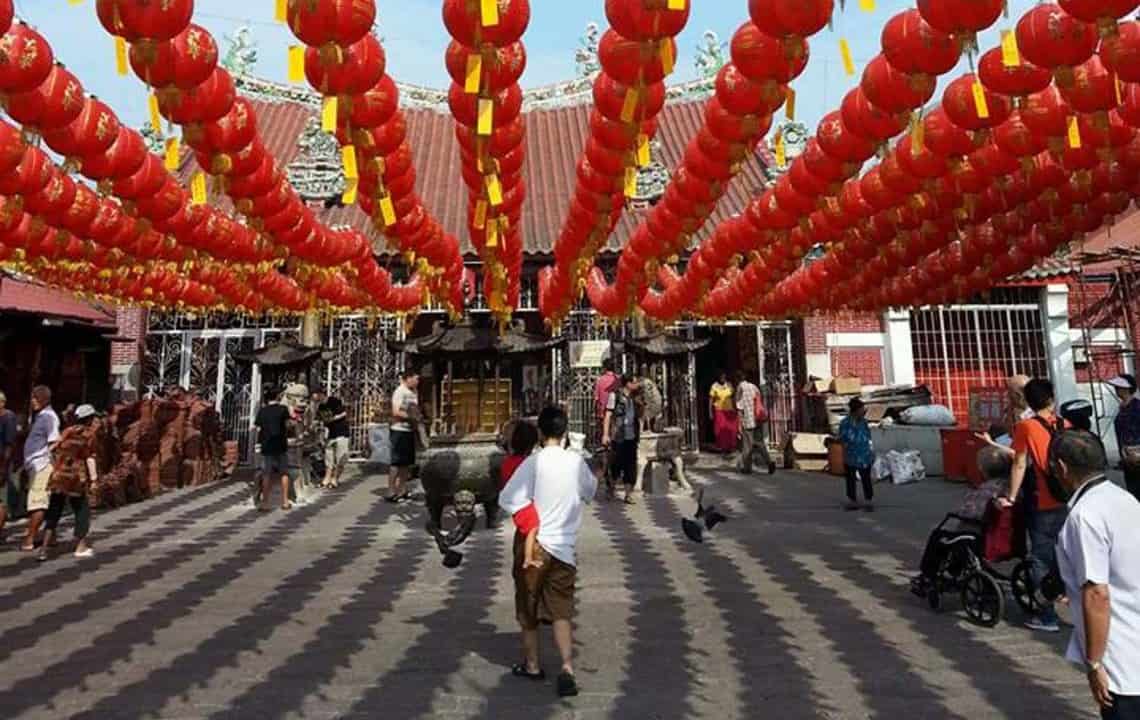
900	349
1059	341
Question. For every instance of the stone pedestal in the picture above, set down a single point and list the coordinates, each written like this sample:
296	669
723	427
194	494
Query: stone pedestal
659	452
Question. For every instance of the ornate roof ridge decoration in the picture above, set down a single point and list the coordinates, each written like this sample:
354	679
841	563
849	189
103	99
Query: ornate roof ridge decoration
317	173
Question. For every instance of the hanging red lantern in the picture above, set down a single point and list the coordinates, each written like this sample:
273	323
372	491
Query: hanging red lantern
962	106
876	192
1120	52
146	181
499	67
78	216
12	148
1109	132
162	204
25	59
339	22
943	136
869	121
508	105
1049	37
894	91
632	62
382	140
786	18
1047	114
759	56
1019	80
464	22
646	21
1093	88
610	99
805	182
896	178
919	162
373	108
741	96
840	143
961	18
993	161
33	172
56	102
148	20
790	199
123	159
234	131
7	12
913	46
825	166
208	102
349	71
1014	137
53	199
92	132
1102	13
183	62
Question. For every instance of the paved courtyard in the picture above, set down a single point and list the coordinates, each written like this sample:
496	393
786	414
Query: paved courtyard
199	607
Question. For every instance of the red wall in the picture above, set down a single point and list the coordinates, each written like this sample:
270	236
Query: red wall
132	324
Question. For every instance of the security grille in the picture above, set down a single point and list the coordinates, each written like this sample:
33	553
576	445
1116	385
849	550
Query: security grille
961	347
363	372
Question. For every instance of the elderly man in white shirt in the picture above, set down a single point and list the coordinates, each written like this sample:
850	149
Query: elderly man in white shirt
558	483
1097	556
42	437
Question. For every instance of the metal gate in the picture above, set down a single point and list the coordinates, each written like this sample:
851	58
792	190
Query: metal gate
960	347
196	352
574	386
780	348
363	372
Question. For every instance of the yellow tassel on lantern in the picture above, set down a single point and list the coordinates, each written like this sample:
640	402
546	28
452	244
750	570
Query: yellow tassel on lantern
350	188
790	104
677	4
348	160
867	5
845	55
980	104
1010	55
296	63
492	234
494	190
480	214
281	11
629	106
630	182
1074	133
198	188
328	115
668	57
1119	89
486	120
781	153
173	156
474	74
155	116
917	134
387	211
489	13
643	155
120	55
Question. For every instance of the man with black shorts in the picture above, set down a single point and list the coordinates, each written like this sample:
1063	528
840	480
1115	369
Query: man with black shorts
332	413
558	482
405	415
273	436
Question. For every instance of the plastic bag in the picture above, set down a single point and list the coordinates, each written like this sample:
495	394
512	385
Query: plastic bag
879	470
929	416
379	444
905	467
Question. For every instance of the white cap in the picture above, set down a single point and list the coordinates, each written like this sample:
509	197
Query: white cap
85	411
1122	382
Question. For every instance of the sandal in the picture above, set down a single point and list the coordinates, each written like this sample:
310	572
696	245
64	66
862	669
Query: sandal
520	671
567	685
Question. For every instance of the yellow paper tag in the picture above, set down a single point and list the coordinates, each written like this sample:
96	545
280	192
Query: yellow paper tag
486	122
328	115
494	190
1119	89
387	211
630	182
980	104
120	56
676	4
845	54
492	234
1074	133
350	188
629	106
474	75
790	104
489	13
172	157
296	63
1010	55
781	153
668	57
867	5
348	160
917	134
281	11
155	115
643	157
480	214
198	188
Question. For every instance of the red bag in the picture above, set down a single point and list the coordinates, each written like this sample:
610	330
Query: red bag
759	411
1004	537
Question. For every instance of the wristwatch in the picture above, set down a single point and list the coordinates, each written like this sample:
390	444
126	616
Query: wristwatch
1093	666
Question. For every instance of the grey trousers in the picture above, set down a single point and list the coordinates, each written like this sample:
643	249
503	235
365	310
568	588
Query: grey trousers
753	449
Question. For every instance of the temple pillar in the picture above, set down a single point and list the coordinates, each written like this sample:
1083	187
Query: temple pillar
311	329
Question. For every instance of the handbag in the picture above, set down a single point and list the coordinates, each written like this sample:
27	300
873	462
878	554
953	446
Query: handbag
760	413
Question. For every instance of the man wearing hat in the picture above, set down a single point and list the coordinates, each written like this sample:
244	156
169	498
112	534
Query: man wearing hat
1127	425
73	469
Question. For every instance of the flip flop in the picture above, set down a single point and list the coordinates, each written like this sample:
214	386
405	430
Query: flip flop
520	671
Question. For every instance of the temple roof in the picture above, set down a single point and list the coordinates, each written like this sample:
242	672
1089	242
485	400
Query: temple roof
26	296
661	344
471	339
287	353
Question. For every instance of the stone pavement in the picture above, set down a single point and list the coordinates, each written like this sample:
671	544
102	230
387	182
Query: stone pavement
198	607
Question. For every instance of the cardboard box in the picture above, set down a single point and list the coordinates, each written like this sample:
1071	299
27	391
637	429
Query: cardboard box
806	451
847	386
817	386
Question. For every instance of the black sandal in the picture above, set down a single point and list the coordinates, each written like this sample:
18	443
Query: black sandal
567	685
520	671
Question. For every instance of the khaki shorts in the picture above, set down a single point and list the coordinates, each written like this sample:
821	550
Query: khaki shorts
542	595
336	453
38	495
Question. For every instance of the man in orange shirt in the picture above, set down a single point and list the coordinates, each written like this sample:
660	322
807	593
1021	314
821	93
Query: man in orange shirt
1045	514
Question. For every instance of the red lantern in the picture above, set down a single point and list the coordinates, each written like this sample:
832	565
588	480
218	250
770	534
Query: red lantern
825	166
894	91
349	71
500	67
207	102
805	182
162	204
964	110
92	132
1114	133
943	136
183	62
373	108
1014	137
149	20
56	102
961	18
1103	13
321	22
1120	52
632	62
25	59
465	107
729	127
869	121
913	46
840	143
897	179
1051	38
53	199
1093	88
465	23
81	212
149	178
876	192
759	56
1047	114
789	17
1019	80
12	148
741	96
646	20
919	162
7	12
123	159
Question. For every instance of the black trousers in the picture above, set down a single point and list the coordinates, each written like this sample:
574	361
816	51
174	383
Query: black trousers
864	475
624	464
79	507
1132	479
1124	707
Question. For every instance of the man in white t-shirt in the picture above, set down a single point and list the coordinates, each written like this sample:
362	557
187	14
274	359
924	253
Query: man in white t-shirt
558	482
402	435
1097	556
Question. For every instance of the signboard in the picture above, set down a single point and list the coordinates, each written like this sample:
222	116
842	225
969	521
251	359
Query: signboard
987	407
589	353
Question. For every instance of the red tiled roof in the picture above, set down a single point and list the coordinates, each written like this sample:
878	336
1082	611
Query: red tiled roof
17	296
555	138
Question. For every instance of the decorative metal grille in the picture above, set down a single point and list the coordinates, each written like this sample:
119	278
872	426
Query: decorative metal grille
780	349
364	372
575	386
960	347
237	395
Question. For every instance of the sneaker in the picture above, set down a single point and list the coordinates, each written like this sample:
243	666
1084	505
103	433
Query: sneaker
849	506
85	553
1049	626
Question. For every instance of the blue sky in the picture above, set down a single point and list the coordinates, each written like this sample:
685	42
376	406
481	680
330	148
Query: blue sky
414	38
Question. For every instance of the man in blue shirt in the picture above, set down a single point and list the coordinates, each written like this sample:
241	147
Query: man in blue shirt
858	455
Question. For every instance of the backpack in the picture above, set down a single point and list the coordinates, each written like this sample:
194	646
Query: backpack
759	412
1052	483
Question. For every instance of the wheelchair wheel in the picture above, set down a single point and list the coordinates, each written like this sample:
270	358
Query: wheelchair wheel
934	598
983	599
1024	589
